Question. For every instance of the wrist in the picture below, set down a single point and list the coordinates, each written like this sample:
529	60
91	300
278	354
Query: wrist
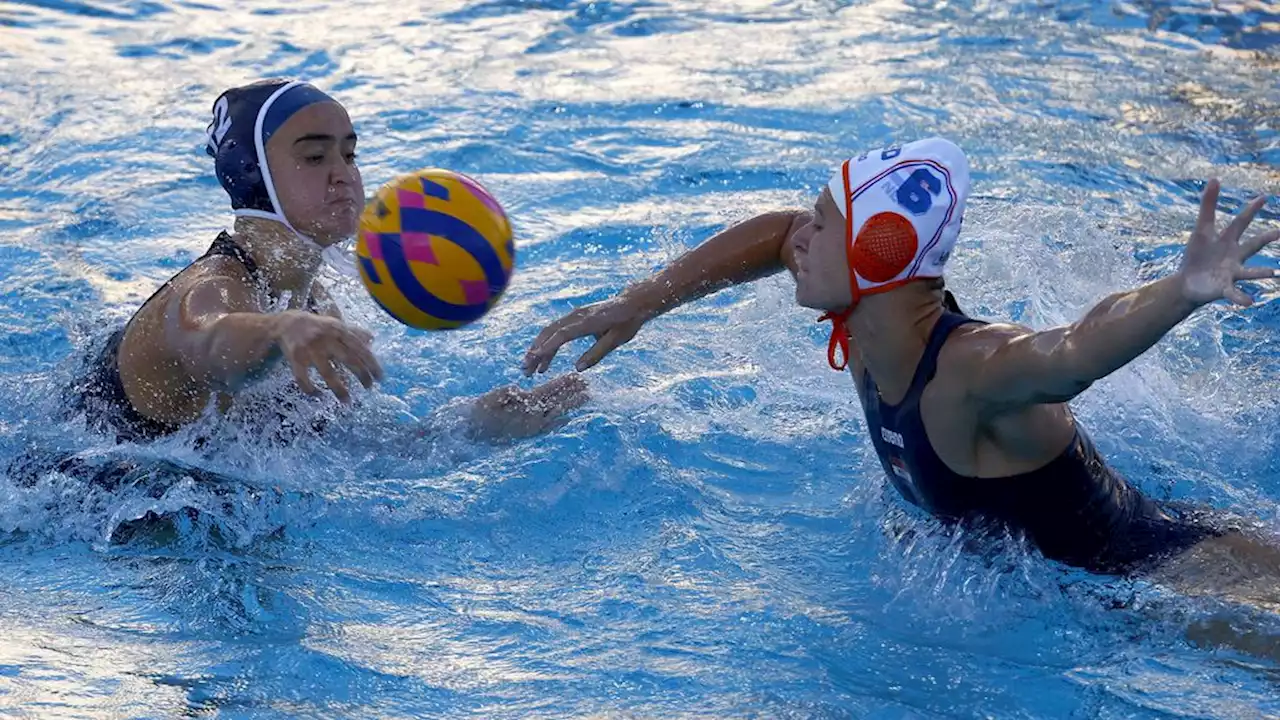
277	324
649	299
1186	298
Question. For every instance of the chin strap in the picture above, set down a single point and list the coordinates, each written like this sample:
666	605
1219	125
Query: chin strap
278	218
335	256
341	260
839	339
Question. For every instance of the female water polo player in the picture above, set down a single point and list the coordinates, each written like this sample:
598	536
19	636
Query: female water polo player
969	419
285	153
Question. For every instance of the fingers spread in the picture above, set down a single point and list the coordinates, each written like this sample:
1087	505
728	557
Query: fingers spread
353	360
1208	204
300	363
1250	247
357	356
1257	273
1238	296
362	335
605	345
1241	221
557	340
554	328
333	379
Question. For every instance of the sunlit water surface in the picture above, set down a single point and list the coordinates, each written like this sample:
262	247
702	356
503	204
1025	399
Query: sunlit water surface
709	536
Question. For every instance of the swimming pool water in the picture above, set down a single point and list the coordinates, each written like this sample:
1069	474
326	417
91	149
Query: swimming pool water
709	536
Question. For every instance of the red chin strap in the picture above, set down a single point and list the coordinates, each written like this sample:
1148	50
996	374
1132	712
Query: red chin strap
840	320
839	338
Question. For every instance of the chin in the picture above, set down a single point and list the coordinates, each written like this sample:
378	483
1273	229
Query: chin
803	299
807	300
326	236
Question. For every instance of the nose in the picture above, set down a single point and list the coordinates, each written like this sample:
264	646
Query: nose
343	173
800	238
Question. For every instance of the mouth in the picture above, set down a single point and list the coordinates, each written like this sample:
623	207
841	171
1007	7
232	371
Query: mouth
343	207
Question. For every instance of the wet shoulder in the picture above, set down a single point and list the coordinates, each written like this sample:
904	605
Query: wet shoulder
962	355
205	270
971	344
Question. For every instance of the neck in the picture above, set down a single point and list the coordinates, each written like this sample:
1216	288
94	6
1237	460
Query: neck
890	331
286	262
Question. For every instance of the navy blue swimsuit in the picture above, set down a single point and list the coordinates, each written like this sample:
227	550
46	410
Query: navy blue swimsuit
1075	509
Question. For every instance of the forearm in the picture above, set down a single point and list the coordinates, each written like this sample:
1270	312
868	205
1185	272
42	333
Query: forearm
233	347
744	252
1120	328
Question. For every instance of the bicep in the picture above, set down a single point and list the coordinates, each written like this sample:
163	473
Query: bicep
196	305
1009	367
193	314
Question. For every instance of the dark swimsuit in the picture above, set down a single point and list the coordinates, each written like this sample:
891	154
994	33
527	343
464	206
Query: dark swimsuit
1076	509
100	394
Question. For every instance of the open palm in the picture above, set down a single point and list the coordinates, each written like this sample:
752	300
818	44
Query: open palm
1214	261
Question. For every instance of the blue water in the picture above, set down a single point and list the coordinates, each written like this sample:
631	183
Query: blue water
709	536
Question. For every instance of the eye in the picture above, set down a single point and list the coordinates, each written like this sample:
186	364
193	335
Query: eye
351	158
314	159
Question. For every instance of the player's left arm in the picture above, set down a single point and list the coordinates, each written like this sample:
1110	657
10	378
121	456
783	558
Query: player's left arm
1008	367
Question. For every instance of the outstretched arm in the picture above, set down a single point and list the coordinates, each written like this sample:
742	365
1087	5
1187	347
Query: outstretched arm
221	337
744	252
1012	367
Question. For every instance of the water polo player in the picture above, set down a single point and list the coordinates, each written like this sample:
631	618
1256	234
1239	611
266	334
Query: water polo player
969	419
285	153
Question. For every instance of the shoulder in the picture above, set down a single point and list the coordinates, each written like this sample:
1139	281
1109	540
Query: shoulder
207	273
971	345
209	287
213	271
974	341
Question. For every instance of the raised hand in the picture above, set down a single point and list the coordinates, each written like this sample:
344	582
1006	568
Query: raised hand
1214	261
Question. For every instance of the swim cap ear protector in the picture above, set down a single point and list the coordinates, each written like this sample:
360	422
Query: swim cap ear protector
244	119
903	208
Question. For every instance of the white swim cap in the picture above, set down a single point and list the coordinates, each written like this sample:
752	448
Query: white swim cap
903	207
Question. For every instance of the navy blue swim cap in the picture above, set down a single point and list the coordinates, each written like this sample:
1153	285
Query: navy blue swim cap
244	118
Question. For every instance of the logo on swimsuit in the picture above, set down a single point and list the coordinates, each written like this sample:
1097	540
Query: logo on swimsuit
891	437
900	469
